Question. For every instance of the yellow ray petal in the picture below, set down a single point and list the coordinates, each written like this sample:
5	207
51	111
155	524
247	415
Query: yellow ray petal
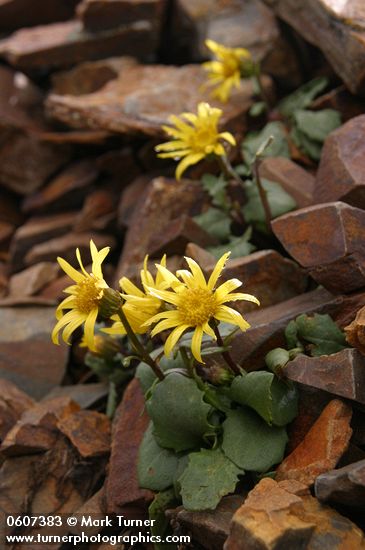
189	160
240	296
70	271
196	344
165	325
173	338
78	256
89	328
229	315
226	288
197	272
218	270
165	295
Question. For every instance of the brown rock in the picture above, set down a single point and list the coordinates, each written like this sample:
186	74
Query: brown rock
340	99
266	275
341	171
16	13
36	430
204	258
329	240
9	208
101	14
176	235
341	373
13	403
130	197
6	232
293	178
163	201
63	44
123	494
94	507
85	395
69	187
342	36
27	355
276	516
355	331
321	448
88	431
98	212
345	485
133	103
36	231
32	280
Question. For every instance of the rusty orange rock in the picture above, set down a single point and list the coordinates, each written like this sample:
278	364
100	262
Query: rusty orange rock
355	331
88	431
322	447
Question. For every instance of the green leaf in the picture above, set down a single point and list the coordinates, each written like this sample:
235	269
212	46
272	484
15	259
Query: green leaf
275	401
208	477
147	377
276	359
257	109
156	466
278	148
311	129
321	332
279	200
215	186
303	96
179	413
250	443
215	222
239	246
160	524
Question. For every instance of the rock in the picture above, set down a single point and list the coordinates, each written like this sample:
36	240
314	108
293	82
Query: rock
97	15
344	486
65	247
277	515
6	232
355	331
13	403
131	104
321	448
35	231
17	13
340	99
27	355
130	197
26	163
94	507
208	528
329	240
90	76
162	201
293	178
341	373
99	211
267	275
64	44
204	258
88	431
123	494
9	208
342	36
36	430
30	281
69	187
85	395
340	174
176	235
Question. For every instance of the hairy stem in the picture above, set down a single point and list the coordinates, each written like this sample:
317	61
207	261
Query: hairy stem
225	354
262	193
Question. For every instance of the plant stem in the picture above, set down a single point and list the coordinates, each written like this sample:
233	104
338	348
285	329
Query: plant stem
257	77
262	193
187	362
230	173
225	354
139	347
112	400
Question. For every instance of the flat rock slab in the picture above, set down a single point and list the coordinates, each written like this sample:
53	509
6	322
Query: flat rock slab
337	28
143	97
329	240
64	44
22	13
345	485
88	431
321	448
13	402
27	355
341	172
341	373
97	15
283	515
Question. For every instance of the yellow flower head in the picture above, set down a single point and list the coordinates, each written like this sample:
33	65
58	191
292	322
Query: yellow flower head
225	72
195	303
194	137
84	298
139	305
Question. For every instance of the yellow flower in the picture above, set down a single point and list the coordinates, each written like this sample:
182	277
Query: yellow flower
139	306
196	302
84	298
194	137
225	72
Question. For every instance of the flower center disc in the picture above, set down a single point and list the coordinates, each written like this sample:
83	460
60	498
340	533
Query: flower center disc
87	295
196	306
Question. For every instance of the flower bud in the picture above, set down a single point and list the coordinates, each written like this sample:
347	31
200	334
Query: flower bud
110	303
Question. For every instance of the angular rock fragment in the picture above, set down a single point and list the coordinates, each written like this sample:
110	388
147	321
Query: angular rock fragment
22	13
97	15
94	507
204	258
131	196
27	355
340	174
355	331
341	37
13	403
123	494
340	99
32	280
321	448
85	395
132	103
283	515
88	431
99	211
63	44
299	183
329	240
344	486
341	373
